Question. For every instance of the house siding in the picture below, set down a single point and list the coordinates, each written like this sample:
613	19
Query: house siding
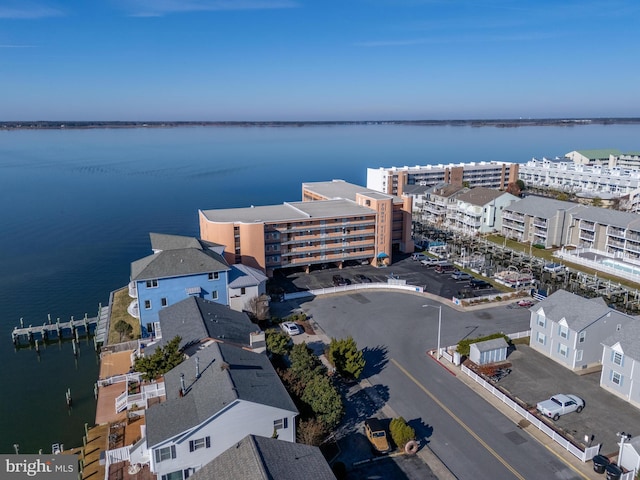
224	429
174	289
629	376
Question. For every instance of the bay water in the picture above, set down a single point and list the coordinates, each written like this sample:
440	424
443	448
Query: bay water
77	206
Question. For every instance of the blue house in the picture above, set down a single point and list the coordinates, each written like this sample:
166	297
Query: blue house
178	268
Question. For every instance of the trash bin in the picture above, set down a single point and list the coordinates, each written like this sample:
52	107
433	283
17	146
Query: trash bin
599	463
613	472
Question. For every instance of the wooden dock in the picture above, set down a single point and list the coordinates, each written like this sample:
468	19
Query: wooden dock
73	329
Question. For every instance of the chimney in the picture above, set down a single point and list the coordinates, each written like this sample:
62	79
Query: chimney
197	367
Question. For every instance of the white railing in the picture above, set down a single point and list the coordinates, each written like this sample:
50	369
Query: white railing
128	377
124	401
584	456
133	309
133	290
114	456
347	288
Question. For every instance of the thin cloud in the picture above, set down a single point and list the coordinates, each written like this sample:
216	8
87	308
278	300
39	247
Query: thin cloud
28	11
159	8
517	37
16	46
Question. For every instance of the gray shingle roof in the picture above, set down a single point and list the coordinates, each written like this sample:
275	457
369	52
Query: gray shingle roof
227	374
176	263
244	276
542	207
481	196
629	338
493	344
610	217
195	319
163	241
579	312
260	458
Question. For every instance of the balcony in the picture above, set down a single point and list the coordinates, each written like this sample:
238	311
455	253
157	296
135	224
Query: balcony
587	235
584	225
133	290
134	310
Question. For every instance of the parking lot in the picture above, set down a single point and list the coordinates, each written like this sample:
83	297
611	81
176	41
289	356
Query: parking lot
534	378
403	268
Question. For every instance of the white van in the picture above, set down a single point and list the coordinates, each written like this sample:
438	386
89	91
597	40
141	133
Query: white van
418	256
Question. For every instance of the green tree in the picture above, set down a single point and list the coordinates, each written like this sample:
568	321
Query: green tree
346	358
521	185
278	343
124	329
324	399
401	432
161	361
304	364
596	202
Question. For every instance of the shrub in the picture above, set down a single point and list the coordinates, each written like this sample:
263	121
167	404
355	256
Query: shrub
278	343
304	364
401	432
324	399
346	358
311	432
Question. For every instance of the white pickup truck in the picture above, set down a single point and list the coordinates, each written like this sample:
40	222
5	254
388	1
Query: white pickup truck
559	405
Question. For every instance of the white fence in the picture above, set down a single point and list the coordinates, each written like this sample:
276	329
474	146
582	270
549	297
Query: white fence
129	377
584	456
351	288
573	257
124	400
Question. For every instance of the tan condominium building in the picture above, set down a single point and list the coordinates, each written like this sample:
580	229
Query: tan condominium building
335	222
493	174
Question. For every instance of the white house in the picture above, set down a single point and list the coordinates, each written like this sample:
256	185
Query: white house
570	329
214	399
621	362
245	283
479	210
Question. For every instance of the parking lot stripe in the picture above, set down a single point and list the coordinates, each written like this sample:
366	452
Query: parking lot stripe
457	419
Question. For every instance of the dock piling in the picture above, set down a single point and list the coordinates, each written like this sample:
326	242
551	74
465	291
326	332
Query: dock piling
68	397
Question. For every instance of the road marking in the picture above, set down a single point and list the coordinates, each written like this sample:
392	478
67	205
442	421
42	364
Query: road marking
460	422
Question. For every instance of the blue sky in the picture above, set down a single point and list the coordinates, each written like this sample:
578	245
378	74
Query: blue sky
317	59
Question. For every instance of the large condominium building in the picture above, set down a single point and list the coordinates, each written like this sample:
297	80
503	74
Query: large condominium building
336	222
481	174
479	210
539	220
576	177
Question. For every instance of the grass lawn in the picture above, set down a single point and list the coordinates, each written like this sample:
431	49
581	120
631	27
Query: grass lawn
121	301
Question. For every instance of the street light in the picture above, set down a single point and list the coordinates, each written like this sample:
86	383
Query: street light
439	324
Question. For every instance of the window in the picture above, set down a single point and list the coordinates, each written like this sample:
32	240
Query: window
617	358
542	338
578	355
616	378
214	294
152	283
243	291
214	275
581	336
163	302
147	304
173	476
199	443
563	331
563	350
165	453
281	423
542	322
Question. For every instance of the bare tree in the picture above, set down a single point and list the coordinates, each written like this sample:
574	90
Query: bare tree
258	307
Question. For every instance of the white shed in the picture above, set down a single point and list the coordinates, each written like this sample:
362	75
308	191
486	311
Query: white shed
489	351
631	454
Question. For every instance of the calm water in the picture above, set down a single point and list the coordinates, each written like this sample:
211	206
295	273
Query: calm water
78	205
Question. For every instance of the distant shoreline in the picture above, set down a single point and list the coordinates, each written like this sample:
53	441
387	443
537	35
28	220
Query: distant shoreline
498	123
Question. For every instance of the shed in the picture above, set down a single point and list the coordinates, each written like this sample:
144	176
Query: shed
489	351
630	458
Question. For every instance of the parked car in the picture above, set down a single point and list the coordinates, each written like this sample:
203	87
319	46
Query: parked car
363	278
461	276
377	435
339	281
430	261
525	303
418	256
478	284
445	268
560	404
291	328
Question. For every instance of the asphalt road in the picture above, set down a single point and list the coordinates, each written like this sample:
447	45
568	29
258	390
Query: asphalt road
473	439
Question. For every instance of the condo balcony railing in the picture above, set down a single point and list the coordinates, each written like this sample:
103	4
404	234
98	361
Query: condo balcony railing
133	290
